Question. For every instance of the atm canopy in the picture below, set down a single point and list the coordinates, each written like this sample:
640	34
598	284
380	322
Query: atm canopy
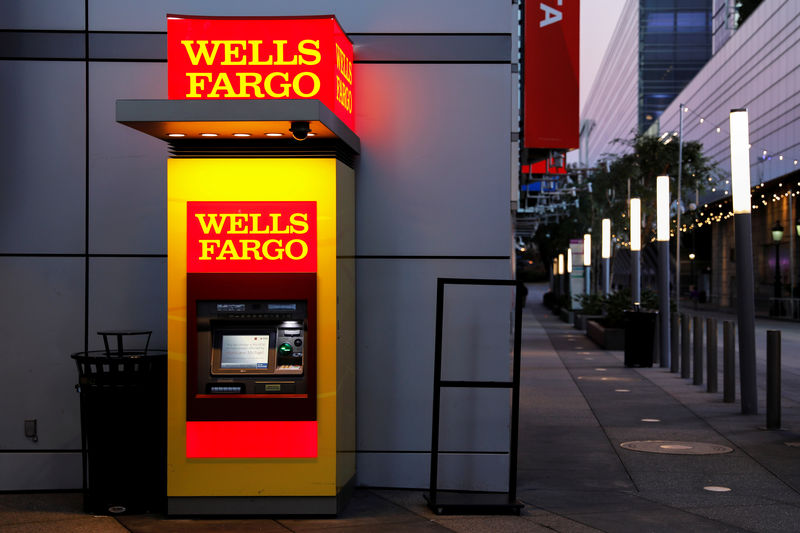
262	122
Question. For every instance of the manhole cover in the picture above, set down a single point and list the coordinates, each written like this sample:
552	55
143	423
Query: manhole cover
675	447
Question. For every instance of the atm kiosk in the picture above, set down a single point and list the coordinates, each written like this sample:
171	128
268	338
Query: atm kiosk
261	275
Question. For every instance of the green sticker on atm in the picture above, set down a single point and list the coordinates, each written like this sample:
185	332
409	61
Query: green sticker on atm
272	387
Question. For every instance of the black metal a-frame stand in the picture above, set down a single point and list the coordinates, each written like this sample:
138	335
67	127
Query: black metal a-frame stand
452	502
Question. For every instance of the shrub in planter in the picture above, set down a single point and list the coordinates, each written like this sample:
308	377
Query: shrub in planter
591	304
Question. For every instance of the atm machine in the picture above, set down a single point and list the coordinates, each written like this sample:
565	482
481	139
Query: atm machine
261	275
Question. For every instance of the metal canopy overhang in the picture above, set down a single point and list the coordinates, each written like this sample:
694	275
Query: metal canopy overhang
193	118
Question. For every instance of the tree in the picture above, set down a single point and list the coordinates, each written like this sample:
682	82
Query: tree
610	183
634	173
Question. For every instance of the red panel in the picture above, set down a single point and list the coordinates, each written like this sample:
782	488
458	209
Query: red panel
261	58
251	439
228	237
552	31
540	167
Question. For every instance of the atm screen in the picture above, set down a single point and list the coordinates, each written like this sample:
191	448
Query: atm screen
244	351
249	350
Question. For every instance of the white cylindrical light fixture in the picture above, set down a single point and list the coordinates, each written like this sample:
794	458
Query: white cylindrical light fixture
569	260
740	161
636	224
587	249
605	249
662	208
560	264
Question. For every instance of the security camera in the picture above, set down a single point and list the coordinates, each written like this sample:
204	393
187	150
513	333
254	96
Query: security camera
300	130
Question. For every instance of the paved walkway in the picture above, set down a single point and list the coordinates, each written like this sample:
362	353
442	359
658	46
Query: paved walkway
578	404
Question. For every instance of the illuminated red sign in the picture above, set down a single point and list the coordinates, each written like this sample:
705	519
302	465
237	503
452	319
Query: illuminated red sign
551	97
295	438
251	237
261	58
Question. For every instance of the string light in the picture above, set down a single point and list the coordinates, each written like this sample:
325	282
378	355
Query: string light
766	155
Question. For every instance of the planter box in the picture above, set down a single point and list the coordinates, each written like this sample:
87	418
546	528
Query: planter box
581	320
567	316
607	338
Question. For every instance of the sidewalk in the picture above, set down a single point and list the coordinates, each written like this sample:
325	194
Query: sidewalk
578	404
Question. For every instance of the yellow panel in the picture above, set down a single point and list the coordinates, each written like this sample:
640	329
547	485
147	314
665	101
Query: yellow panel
252	180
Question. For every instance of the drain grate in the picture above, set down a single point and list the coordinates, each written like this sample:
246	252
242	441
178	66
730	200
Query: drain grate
675	447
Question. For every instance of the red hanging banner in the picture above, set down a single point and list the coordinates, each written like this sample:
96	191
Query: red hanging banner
551	63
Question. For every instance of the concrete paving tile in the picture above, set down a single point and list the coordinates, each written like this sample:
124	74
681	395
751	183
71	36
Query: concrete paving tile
758	518
161	524
83	524
654	521
367	509
562	524
510	524
557	479
568	502
66	502
686	491
39	507
420	526
412	501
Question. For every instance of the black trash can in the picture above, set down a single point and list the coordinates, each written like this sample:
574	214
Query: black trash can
123	396
640	337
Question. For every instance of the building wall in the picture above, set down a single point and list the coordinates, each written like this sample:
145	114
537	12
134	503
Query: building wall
757	68
611	106
655	50
83	209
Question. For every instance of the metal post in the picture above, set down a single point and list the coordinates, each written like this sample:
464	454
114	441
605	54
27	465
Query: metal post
636	277
698	351
587	288
746	312
678	214
711	354
777	282
773	379
791	257
686	357
663	304
675	342
606	275
728	362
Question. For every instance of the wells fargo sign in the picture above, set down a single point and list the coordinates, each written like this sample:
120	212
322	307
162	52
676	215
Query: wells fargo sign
251	237
252	58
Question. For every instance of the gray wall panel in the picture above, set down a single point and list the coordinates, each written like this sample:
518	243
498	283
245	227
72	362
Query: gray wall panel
42	15
28	44
127	170
429	134
396	304
128	293
42	310
42	147
149	46
39	471
412	471
472	48
355	16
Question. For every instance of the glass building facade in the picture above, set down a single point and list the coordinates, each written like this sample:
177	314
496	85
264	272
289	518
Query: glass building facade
657	48
674	44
